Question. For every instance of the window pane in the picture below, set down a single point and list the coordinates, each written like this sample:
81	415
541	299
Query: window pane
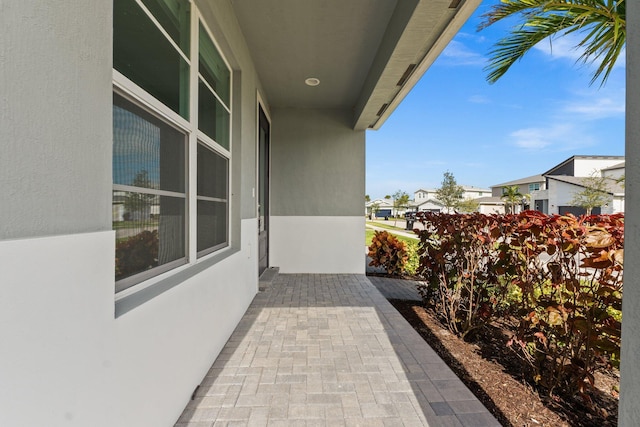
147	152
150	231
144	55
174	16
213	68
212	224
212	183
213	119
212	174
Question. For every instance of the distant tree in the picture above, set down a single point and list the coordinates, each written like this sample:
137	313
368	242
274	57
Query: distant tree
512	197
138	205
468	205
400	200
449	193
387	197
367	198
601	25
594	194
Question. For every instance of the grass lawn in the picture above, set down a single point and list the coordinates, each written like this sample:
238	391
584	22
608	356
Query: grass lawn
385	225
369	233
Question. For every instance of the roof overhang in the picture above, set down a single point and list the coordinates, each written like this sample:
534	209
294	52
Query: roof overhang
367	54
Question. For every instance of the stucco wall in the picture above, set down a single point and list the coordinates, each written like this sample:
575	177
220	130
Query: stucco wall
55	111
586	167
67	358
630	371
317	163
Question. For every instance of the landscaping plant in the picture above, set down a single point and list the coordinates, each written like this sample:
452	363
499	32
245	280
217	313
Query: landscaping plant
558	279
569	272
388	252
457	255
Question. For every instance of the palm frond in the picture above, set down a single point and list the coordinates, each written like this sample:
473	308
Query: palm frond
603	23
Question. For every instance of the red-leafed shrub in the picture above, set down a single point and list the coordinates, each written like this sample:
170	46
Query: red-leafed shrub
569	272
388	252
457	254
558	278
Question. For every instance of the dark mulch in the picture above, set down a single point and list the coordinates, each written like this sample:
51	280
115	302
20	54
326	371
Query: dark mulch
495	375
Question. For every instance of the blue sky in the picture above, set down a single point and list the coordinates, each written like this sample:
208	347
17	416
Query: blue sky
540	113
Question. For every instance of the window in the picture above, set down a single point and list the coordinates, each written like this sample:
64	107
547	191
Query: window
165	118
534	187
212	200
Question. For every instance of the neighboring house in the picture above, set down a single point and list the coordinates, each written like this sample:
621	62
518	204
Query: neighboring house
378	204
247	121
525	185
614	172
565	179
427	199
562	189
490	205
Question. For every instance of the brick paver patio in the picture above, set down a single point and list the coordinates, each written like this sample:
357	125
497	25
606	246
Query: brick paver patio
329	350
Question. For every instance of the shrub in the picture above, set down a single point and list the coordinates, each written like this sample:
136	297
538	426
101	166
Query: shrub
569	313
413	260
560	276
457	254
388	252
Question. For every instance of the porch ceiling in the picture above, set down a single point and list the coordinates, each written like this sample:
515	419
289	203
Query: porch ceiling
359	49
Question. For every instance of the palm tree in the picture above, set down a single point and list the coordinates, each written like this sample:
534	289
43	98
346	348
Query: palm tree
512	197
601	22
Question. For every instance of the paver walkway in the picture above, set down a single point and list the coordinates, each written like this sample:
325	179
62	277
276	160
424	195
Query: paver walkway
329	350
396	288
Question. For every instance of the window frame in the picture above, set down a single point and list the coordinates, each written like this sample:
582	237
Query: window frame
129	90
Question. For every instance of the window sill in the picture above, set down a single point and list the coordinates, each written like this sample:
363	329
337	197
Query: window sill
129	302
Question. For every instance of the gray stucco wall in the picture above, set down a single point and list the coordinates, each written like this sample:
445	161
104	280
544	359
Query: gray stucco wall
317	164
630	371
55	112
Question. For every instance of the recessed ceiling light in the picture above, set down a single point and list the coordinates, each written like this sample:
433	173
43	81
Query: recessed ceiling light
312	81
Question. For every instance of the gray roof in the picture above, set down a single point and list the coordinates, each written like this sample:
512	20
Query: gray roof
614	167
489	200
527	180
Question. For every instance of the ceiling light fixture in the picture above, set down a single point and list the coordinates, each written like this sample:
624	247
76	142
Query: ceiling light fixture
312	81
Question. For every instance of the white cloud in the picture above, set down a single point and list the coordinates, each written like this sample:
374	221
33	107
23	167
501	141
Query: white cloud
479	99
457	53
565	47
598	108
557	137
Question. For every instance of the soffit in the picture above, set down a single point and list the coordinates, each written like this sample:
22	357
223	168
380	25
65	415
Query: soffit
359	49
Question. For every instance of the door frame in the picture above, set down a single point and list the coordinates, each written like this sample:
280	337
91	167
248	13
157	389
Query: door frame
260	105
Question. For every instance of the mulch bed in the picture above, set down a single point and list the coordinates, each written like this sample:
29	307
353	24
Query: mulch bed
495	375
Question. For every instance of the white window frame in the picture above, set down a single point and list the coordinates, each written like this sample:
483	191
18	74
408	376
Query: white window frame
131	91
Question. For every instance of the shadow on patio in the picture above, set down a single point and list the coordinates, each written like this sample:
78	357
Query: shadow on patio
329	350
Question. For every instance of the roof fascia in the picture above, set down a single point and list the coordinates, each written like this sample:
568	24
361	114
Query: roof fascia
381	94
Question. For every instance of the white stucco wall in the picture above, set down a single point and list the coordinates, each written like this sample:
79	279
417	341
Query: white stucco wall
629	414
311	244
66	361
586	167
491	209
